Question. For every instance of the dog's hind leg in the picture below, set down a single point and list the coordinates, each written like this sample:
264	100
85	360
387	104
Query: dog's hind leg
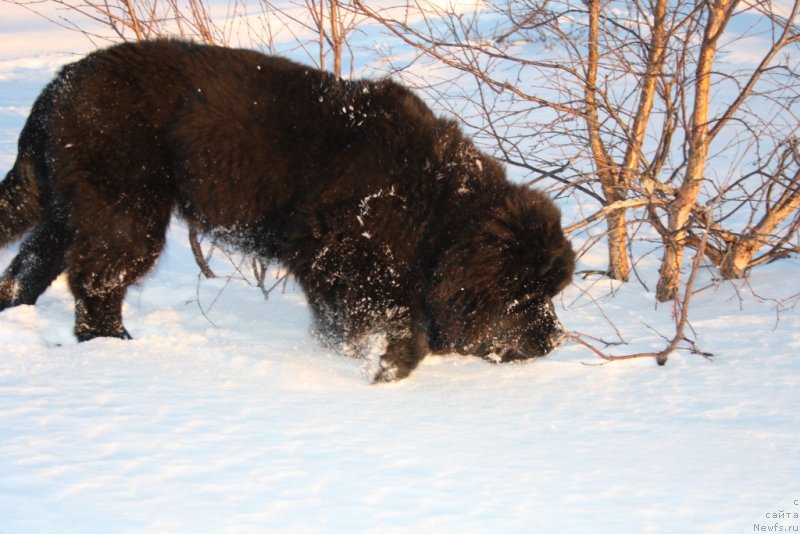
39	261
108	256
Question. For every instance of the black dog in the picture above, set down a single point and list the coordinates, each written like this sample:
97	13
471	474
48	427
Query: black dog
389	218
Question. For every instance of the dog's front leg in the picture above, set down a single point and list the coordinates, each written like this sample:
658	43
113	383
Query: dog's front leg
403	353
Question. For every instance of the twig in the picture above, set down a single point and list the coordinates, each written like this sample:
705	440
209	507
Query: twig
197	251
682	318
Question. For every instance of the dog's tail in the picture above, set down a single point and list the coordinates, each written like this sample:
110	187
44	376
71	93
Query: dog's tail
20	192
19	200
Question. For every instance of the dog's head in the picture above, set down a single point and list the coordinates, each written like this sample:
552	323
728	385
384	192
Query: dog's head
492	291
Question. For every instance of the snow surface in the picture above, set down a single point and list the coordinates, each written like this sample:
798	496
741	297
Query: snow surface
223	415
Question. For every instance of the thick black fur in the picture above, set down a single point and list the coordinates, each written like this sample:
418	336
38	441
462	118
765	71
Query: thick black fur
389	218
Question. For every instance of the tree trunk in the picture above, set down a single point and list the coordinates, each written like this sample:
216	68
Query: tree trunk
719	12
618	263
736	261
619	267
336	38
740	253
614	188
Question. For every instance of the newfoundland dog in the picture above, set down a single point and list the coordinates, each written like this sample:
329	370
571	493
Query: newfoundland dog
389	218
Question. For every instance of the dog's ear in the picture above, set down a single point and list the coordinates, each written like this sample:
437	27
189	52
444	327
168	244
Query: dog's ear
527	229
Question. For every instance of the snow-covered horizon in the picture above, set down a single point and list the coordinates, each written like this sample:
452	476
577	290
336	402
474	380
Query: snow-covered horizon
224	415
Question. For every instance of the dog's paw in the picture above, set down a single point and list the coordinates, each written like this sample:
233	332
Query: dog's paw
389	372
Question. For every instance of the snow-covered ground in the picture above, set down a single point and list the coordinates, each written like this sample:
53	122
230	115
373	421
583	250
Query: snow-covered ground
224	415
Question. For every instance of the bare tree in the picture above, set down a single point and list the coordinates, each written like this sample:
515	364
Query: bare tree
135	19
641	101
327	20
